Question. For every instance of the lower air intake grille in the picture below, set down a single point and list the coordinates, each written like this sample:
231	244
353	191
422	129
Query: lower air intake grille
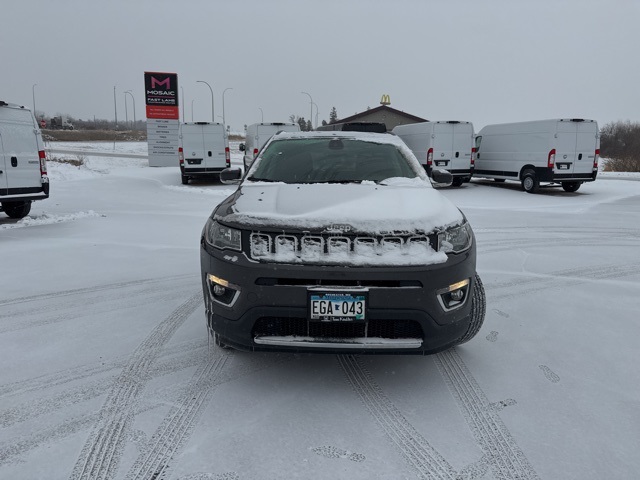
285	326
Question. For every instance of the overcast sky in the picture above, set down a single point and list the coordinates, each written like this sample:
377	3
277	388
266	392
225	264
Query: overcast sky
480	61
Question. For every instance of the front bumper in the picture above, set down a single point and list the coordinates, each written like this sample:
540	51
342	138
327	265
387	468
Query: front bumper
269	310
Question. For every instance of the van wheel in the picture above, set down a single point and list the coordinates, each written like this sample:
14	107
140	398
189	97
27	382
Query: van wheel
530	182
185	180
17	209
478	310
571	186
457	181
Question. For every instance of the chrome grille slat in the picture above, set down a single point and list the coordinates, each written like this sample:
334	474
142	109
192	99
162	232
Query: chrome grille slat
312	248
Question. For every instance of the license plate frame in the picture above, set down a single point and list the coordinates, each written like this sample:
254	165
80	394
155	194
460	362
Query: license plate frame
343	306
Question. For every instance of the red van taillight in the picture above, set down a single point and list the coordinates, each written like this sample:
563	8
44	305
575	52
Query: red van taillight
595	159
551	160
181	156
255	152
43	162
430	157
227	156
473	156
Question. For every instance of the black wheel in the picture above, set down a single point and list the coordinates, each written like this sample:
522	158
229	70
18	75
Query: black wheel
185	180
498	180
17	209
571	186
457	181
478	310
530	182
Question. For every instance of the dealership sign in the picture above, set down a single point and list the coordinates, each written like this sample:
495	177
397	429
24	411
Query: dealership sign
163	118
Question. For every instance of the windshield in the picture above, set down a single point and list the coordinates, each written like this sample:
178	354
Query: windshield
330	160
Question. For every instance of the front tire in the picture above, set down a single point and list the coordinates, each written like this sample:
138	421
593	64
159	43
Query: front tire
17	209
185	180
478	311
571	186
530	182
457	181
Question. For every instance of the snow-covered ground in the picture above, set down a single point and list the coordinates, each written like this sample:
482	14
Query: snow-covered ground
107	372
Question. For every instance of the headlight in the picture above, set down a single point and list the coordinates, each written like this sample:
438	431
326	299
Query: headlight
221	236
455	239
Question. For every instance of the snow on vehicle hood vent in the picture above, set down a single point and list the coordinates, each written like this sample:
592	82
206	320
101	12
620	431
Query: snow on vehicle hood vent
355	224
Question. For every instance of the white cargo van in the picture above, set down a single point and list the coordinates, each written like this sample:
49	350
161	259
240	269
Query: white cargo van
563	151
447	145
203	150
23	165
257	135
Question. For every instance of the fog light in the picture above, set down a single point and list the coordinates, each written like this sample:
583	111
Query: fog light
454	296
222	291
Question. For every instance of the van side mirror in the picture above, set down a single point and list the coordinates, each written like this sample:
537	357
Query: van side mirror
231	176
241	147
441	178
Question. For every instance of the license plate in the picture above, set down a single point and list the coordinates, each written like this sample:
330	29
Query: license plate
563	166
337	306
441	163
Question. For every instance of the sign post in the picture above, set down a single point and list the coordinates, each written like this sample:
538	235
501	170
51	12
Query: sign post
163	118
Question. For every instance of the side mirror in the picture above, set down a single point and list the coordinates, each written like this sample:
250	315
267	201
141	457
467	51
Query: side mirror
241	147
231	176
441	178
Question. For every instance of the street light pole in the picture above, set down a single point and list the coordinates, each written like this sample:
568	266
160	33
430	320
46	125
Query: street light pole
133	100
191	111
316	105
311	105
183	118
213	115
261	115
115	105
126	112
224	121
33	93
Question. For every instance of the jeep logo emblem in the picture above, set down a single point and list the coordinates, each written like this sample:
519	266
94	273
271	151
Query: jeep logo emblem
338	228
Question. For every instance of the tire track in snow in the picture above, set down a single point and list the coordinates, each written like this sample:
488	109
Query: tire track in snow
98	288
100	456
415	449
562	278
506	460
93	389
176	427
87	371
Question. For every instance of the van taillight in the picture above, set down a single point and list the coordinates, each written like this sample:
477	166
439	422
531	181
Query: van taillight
43	162
551	160
181	156
227	156
473	156
595	159
255	152
430	157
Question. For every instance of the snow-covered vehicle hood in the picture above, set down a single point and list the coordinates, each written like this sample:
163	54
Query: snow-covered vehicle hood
395	205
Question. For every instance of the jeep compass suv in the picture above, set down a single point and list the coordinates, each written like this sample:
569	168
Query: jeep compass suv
337	242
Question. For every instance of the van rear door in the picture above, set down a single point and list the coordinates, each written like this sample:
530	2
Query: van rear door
442	145
193	146
462	144
586	145
214	144
565	145
21	164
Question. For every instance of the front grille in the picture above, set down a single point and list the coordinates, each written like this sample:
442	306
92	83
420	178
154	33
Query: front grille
339	249
297	326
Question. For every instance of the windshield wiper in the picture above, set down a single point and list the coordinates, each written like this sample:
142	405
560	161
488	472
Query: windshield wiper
256	179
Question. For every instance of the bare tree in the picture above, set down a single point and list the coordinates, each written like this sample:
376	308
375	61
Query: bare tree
620	145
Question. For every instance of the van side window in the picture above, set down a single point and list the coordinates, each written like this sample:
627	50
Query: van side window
478	141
